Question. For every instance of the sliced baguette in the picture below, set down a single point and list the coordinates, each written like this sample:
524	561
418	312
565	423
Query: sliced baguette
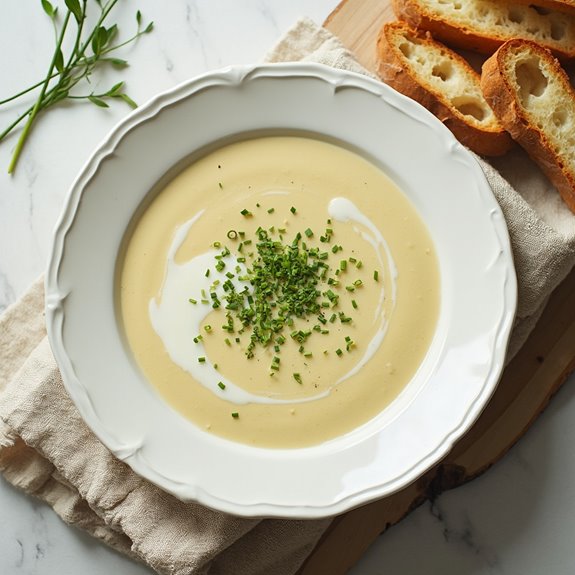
483	25
561	5
533	98
427	71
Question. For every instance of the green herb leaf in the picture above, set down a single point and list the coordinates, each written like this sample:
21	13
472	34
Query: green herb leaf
76	9
98	101
49	9
59	61
117	62
99	40
127	99
115	89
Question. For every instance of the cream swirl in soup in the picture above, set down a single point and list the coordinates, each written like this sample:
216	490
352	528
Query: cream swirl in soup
279	291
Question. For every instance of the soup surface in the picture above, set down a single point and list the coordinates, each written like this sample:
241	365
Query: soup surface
279	291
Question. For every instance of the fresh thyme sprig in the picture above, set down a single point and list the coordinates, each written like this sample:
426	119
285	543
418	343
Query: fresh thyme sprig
92	48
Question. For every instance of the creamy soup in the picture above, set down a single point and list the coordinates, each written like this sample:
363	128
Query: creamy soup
279	292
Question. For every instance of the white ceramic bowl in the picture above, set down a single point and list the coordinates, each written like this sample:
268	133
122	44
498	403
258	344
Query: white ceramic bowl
452	386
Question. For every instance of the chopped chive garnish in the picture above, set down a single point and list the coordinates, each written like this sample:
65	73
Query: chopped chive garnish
202	359
235	415
220	185
221	385
282	283
192	300
208	328
297	377
376	275
207	274
339	352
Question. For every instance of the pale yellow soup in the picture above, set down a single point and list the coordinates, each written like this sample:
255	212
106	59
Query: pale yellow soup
268	177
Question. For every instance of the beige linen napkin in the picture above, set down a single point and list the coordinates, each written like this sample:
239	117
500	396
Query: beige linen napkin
47	450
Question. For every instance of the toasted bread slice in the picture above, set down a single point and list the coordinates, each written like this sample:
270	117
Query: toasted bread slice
533	98
483	25
427	71
560	5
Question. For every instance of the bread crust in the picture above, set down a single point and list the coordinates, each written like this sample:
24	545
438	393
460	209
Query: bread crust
393	71
410	12
503	98
417	15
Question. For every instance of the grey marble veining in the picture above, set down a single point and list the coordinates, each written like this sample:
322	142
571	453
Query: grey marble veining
517	519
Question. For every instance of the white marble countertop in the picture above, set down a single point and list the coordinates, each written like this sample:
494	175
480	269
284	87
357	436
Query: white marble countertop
519	518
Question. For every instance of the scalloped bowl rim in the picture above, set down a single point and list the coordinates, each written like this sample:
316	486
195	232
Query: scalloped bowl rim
368	463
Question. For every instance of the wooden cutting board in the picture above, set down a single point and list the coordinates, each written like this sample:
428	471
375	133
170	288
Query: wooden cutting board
527	385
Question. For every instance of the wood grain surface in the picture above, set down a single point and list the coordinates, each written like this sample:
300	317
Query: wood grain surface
527	384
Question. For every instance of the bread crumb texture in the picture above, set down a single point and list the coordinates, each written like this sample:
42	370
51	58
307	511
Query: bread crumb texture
447	76
505	20
546	99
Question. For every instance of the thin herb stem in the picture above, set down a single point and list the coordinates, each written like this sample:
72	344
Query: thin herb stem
36	108
15	123
105	11
85	56
23	92
78	35
128	41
